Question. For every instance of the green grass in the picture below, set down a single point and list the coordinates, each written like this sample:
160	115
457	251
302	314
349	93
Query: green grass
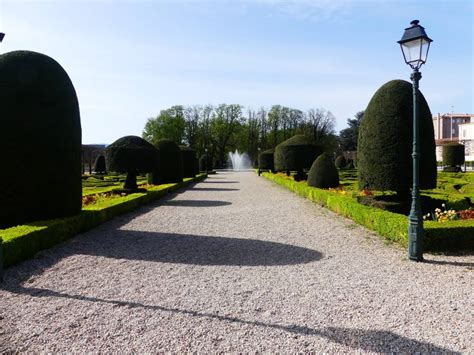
93	185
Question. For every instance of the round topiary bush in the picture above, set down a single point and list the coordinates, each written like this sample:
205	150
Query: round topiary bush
340	162
385	141
131	155
40	140
100	166
323	173
296	153
170	169
453	156
266	160
188	156
203	166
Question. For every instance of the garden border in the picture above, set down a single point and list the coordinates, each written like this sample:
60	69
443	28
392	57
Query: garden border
447	236
24	241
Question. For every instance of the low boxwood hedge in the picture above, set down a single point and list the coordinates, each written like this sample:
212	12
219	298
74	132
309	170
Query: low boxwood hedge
24	241
449	236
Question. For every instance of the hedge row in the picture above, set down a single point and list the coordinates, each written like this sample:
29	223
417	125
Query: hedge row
23	242
452	235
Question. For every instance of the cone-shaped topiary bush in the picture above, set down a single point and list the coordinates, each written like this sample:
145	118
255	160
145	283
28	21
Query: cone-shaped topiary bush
453	156
202	162
170	169
296	153
323	173
340	162
385	141
266	160
100	166
40	140
131	155
188	156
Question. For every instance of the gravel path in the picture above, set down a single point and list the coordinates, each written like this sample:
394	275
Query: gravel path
235	264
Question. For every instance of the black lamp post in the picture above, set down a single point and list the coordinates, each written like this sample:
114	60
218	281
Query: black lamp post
1	240
415	44
207	157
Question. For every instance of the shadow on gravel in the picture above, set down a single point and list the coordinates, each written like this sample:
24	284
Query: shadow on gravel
212	189
220	182
453	263
197	250
380	341
193	203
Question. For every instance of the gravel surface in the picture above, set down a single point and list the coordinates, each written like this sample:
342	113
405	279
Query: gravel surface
235	264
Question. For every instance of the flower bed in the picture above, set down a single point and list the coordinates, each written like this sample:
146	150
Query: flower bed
448	236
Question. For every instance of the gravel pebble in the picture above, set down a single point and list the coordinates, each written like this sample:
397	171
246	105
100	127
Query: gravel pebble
235	264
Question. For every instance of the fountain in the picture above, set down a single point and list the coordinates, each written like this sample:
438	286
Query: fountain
240	161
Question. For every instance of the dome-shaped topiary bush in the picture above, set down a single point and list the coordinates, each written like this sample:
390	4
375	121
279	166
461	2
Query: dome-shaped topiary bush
266	160
40	140
453	156
340	162
100	166
296	153
385	141
205	163
170	169
131	155
188	156
323	173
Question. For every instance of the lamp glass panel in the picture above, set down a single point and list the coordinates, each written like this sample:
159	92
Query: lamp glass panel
411	51
425	45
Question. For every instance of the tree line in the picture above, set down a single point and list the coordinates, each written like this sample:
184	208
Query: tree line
227	127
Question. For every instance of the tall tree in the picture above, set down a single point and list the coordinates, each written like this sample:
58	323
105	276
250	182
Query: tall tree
224	123
348	136
169	124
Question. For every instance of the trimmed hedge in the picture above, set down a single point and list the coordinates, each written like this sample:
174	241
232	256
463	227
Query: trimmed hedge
385	140
266	160
340	162
40	140
170	168
131	155
323	173
297	153
202	163
449	236
100	166
453	156
23	242
188	156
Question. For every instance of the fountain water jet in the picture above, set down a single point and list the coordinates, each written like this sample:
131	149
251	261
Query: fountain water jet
240	161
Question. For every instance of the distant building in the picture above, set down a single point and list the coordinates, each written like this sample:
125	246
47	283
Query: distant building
454	127
90	152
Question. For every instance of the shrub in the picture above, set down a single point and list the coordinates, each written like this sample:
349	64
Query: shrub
131	155
453	156
202	162
100	166
188	156
297	153
40	140
323	173
341	162
265	160
170	168
385	141
350	164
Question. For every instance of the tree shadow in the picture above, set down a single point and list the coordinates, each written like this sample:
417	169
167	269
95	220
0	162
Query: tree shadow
380	341
212	189
192	203
196	249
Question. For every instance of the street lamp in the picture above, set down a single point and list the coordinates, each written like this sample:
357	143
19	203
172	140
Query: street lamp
206	158
415	44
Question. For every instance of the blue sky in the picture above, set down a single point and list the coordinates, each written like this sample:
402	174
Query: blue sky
130	59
